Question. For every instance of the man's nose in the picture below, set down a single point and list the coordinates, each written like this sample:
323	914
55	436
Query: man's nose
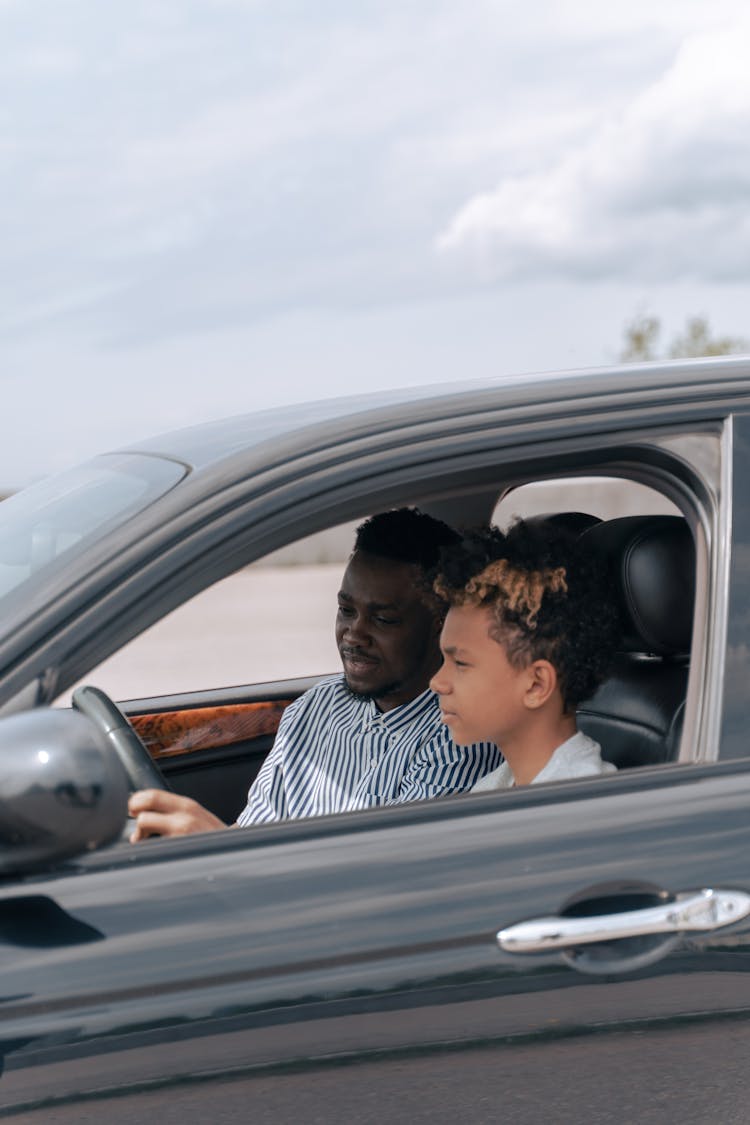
356	631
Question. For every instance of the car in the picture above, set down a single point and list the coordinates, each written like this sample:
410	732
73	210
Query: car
576	950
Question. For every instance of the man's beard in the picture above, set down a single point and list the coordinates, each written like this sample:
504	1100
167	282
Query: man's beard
376	693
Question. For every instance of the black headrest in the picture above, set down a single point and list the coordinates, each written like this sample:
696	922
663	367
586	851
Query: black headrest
653	566
574	522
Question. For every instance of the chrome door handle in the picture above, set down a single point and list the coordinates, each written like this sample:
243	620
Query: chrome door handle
697	910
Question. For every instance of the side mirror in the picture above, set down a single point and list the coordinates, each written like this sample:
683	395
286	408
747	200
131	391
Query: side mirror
62	790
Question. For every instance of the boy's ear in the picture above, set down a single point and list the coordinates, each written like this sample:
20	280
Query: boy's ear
542	683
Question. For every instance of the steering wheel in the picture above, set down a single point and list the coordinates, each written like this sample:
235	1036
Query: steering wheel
142	771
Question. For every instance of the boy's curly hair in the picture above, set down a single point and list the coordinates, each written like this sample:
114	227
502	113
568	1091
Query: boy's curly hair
548	598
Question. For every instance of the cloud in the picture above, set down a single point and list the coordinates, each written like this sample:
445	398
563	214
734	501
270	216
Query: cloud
658	192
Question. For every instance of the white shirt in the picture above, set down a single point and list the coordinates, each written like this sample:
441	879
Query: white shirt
578	756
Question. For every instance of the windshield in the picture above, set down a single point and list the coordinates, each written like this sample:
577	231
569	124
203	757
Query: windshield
64	515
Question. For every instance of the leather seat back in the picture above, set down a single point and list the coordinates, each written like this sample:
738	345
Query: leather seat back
636	714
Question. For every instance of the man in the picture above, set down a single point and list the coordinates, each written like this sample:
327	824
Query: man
372	736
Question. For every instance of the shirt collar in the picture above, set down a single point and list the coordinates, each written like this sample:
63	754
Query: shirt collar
405	713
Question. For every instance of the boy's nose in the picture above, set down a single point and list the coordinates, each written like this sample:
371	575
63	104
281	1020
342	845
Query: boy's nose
437	683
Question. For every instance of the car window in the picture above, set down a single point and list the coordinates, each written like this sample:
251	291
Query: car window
271	620
274	619
600	496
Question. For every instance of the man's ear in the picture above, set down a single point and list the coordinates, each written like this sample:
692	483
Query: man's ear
542	683
438	611
438	622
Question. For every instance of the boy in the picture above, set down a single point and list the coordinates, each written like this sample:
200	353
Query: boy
529	634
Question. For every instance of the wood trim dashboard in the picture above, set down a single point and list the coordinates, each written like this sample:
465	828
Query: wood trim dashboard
169	733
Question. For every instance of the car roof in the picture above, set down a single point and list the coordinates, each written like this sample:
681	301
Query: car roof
211	442
208	442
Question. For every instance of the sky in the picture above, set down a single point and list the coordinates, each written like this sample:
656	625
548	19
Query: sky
209	207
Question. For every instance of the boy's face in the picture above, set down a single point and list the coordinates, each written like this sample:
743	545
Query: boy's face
481	693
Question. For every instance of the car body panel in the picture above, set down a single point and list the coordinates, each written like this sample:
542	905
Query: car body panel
367	933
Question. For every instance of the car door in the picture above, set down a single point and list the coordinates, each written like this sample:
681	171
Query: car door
347	968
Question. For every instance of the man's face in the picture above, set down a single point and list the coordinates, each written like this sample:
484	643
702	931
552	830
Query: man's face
386	632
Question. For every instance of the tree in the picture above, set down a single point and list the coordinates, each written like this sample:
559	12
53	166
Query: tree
641	337
696	340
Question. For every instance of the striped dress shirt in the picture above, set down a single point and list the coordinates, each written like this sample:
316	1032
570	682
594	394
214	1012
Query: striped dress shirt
335	752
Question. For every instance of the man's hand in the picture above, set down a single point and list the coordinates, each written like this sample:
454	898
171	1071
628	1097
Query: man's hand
159	813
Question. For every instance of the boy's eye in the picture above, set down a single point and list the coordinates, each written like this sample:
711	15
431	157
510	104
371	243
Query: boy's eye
345	610
386	620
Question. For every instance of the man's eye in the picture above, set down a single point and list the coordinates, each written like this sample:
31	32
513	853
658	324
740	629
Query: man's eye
345	610
387	620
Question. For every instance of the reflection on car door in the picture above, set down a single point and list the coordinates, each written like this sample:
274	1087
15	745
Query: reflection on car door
351	964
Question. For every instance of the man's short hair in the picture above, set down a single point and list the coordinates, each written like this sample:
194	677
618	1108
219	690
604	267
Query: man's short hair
548	597
405	535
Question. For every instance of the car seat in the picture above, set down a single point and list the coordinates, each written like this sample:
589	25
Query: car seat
574	522
636	714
